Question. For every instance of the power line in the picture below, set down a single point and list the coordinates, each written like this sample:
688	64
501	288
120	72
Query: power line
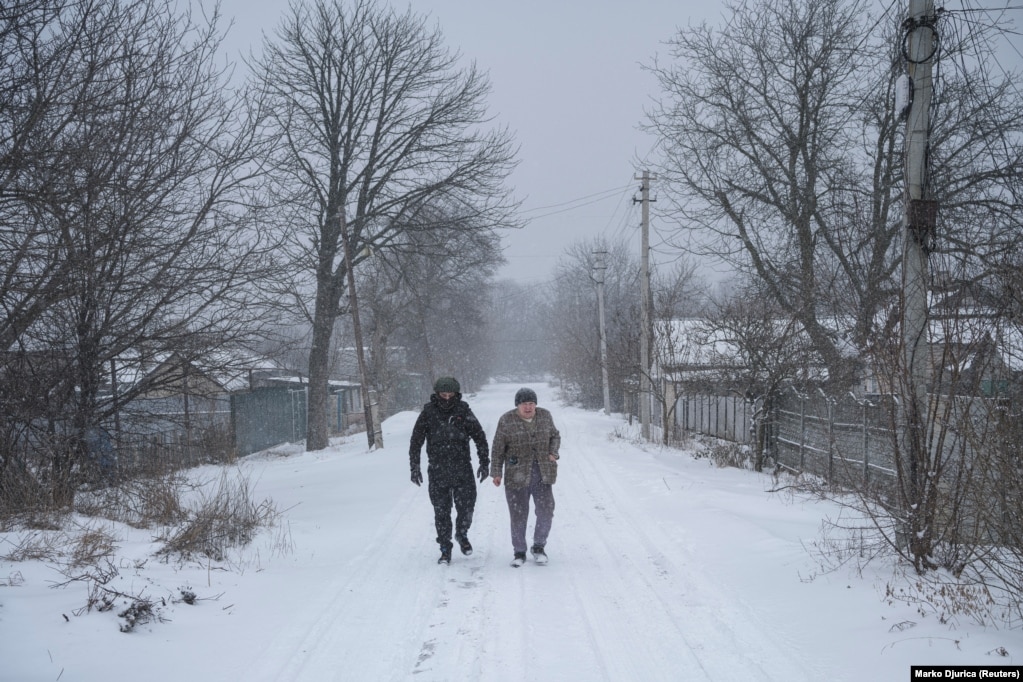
578	202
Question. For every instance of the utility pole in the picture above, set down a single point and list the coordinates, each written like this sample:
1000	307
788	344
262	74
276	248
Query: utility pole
374	434
644	350
920	42
600	266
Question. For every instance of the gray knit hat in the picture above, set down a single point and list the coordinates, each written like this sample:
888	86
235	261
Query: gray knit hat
525	395
446	385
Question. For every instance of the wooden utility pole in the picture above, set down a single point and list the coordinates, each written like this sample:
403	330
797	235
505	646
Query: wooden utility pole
374	434
644	350
919	46
600	266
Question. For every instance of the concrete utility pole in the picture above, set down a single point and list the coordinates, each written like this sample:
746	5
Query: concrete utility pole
920	41
644	350
600	266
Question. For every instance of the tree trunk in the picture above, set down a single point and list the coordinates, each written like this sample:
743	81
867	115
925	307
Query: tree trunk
325	315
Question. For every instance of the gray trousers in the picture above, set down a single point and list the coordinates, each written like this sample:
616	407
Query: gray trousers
518	510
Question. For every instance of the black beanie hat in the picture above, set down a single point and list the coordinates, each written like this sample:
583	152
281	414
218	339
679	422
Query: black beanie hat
446	385
525	395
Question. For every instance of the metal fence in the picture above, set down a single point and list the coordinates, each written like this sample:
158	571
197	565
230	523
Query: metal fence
728	417
266	417
845	440
159	453
272	415
850	442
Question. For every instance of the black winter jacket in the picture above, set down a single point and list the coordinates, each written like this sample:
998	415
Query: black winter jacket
447	433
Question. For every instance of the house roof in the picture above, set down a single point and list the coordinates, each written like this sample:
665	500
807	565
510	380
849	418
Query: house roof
980	327
228	369
301	380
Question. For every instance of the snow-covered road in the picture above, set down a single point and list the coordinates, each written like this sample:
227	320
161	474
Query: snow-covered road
624	597
662	567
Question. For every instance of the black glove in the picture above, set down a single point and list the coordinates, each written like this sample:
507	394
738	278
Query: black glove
417	476
483	472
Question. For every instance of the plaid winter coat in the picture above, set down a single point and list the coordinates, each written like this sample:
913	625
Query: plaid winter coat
517	444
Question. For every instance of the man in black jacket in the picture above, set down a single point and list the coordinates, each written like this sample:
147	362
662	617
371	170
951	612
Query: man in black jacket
446	424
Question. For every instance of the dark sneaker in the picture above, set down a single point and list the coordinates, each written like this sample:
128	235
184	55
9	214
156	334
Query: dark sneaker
445	555
538	554
463	544
520	558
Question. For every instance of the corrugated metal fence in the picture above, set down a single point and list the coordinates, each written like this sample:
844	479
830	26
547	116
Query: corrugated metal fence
267	417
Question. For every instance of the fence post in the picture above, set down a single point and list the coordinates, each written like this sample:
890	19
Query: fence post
866	450
831	440
802	433
725	407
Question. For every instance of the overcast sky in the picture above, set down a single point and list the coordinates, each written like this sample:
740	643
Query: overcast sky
567	80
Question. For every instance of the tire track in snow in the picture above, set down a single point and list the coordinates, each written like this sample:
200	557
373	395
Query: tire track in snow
312	646
621	617
722	640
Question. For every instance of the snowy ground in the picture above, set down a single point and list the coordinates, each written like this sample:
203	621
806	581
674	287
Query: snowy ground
662	567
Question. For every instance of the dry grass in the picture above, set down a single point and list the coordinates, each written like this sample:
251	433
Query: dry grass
75	548
220	514
222	518
90	546
140	503
37	546
725	454
948	599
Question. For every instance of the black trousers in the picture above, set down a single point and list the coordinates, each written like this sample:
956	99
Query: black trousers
448	490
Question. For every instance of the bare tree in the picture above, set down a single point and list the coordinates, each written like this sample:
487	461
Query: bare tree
781	141
573	323
676	296
427	293
375	118
760	124
36	101
768	353
134	175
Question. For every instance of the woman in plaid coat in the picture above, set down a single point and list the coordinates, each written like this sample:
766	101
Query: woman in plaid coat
525	456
